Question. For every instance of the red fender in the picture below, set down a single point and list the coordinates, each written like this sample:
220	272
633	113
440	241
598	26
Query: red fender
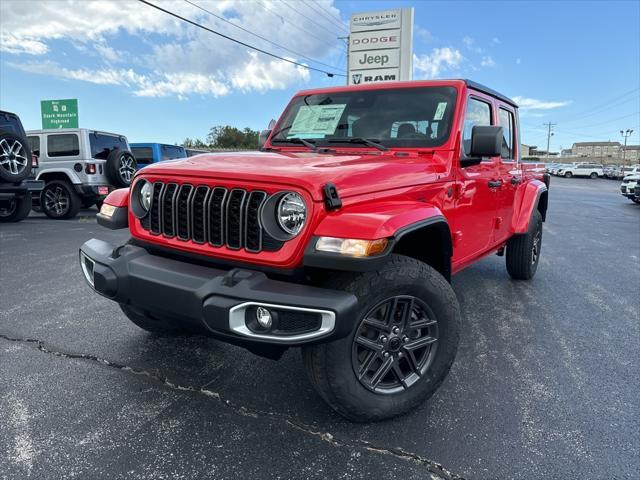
370	221
118	198
526	200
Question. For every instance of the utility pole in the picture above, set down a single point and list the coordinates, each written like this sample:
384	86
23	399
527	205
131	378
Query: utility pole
348	45
549	135
625	134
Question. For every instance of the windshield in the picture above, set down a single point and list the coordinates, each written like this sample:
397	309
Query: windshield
407	117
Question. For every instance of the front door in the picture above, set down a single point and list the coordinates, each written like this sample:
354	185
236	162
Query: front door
509	172
475	212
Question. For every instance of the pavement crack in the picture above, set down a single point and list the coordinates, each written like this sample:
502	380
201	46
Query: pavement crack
433	467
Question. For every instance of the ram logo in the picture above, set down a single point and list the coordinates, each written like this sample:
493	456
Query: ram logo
356	78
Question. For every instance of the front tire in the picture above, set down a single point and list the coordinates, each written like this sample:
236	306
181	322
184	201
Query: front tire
15	209
404	342
523	251
568	174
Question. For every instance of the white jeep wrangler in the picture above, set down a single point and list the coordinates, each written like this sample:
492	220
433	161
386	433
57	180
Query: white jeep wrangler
79	168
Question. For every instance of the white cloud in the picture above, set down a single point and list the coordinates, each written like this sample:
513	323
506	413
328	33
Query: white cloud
422	33
518	61
534	104
179	59
437	62
487	62
495	41
468	41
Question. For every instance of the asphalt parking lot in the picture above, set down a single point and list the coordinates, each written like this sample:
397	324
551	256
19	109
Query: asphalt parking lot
545	384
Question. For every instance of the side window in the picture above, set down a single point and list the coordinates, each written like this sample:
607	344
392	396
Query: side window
170	152
34	144
102	145
63	145
478	113
507	124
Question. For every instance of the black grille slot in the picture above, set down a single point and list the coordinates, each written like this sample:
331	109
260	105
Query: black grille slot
168	207
253	229
182	211
198	214
297	322
215	215
235	220
154	214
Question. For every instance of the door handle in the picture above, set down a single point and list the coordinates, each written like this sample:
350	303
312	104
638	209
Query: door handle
495	183
516	180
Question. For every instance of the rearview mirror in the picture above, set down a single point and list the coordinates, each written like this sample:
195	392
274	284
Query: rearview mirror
262	138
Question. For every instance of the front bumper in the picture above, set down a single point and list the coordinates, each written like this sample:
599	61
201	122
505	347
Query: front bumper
215	301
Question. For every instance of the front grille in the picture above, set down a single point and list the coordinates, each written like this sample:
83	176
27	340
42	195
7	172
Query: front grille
213	215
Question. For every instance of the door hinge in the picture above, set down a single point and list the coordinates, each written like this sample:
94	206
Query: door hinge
331	198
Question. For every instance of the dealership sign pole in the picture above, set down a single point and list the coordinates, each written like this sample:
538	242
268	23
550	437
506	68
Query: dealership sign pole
59	113
381	46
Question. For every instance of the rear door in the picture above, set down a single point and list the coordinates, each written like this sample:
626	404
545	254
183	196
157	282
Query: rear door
474	215
509	172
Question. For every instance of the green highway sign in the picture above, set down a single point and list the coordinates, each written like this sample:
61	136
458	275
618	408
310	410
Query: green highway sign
59	113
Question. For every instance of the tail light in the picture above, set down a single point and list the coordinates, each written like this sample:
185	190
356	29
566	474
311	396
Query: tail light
34	160
90	168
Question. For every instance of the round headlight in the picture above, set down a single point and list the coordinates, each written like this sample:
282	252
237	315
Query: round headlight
146	193
291	213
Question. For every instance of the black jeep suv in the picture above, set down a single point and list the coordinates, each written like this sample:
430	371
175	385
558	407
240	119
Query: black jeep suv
16	164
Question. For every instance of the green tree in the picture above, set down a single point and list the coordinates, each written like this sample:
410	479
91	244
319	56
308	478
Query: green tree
226	136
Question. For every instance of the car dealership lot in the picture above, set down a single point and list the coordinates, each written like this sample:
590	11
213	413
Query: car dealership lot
545	383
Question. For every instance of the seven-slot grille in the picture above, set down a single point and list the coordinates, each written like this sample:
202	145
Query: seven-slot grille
214	215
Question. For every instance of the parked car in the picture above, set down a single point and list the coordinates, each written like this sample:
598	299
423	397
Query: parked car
17	184
592	170
557	167
192	152
627	188
340	237
610	171
628	170
148	153
79	167
636	193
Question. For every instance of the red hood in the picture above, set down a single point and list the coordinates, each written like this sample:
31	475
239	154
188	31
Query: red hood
352	173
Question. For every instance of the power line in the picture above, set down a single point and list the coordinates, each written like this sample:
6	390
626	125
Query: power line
310	19
607	121
549	134
259	36
196	24
603	106
331	20
284	20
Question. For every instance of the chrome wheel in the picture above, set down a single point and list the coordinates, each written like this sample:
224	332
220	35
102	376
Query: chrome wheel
56	200
394	344
13	156
127	168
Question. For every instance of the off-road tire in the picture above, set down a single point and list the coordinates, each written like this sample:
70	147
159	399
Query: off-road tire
568	174
120	168
69	204
15	158
15	209
330	367
152	324
522	260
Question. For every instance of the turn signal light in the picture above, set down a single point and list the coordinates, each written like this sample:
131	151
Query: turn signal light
352	247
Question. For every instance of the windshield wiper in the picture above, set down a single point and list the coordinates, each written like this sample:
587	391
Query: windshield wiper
371	142
307	143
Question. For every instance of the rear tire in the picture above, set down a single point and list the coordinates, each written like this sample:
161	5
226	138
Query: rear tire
378	372
594	175
15	209
523	251
59	200
151	324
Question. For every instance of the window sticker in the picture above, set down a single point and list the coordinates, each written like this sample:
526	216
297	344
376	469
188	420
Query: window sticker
316	120
442	106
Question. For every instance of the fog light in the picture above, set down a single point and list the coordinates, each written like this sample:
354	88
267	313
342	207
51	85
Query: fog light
263	316
87	268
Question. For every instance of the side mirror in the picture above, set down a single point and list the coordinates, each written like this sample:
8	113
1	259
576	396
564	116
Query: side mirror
486	141
262	138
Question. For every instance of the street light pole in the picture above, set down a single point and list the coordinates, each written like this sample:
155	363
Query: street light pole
549	135
625	134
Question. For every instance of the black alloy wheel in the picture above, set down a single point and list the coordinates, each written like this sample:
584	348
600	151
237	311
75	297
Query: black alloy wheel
395	344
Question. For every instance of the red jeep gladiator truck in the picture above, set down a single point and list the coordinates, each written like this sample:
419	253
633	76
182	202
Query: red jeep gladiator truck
340	236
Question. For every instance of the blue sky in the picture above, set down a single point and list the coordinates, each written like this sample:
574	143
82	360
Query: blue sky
138	72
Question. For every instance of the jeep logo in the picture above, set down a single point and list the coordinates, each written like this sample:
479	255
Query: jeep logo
374	60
